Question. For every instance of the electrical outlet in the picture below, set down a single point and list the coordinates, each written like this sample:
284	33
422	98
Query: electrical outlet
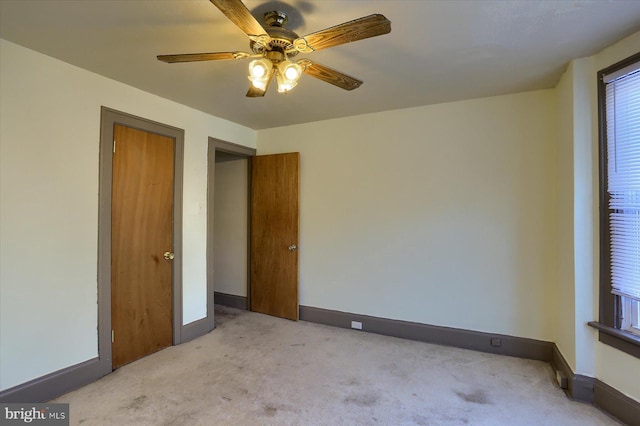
356	324
495	342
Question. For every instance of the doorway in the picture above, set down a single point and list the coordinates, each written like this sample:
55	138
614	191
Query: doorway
258	233
228	224
113	122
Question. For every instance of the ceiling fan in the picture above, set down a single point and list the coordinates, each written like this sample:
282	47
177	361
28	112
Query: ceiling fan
273	45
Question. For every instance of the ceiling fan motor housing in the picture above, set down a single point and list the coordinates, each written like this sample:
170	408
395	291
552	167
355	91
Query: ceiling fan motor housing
281	38
276	19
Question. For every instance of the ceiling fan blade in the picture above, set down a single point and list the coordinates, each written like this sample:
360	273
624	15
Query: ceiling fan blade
255	92
358	29
329	75
238	13
195	57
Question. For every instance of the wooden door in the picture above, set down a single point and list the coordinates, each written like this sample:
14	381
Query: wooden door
274	235
141	232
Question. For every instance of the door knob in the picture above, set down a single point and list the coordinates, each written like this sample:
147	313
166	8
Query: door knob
293	247
168	255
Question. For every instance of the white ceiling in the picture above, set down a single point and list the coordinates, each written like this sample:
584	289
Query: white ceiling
437	51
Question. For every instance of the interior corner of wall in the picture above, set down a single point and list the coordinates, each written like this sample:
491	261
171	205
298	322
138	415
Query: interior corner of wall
569	69
586	339
567	353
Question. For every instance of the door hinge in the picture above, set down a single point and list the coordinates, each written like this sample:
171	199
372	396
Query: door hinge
112	336
114	146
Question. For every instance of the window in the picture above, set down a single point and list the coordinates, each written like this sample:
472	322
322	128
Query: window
619	106
630	315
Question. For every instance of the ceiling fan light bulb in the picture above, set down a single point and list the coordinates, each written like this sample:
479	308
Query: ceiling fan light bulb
284	84
291	73
260	68
258	71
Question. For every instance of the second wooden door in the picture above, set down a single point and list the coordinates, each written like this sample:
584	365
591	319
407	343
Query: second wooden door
274	235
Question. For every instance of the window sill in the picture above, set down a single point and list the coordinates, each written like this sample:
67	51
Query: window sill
622	340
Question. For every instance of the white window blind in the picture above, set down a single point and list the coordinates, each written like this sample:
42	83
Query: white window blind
623	180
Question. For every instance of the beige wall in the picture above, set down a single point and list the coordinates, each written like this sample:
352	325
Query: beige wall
231	227
49	206
565	310
585	226
577	219
441	214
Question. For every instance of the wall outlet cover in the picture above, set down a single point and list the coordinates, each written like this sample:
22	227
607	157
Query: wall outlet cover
356	324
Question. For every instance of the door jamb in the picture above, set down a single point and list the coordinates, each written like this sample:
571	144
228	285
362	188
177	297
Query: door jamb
108	118
241	152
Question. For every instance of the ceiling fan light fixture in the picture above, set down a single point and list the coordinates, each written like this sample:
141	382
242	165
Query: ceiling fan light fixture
288	75
260	72
273	44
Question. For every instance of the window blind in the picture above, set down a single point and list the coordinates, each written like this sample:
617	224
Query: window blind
623	180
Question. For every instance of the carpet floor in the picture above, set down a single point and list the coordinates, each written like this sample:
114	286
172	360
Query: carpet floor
255	369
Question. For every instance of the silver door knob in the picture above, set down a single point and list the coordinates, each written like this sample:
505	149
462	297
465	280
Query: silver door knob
293	247
168	255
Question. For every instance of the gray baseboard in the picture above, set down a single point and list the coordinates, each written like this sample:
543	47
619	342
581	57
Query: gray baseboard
196	329
579	387
582	388
230	300
617	404
50	386
447	336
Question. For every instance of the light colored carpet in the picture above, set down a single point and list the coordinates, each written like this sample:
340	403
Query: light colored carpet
259	370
